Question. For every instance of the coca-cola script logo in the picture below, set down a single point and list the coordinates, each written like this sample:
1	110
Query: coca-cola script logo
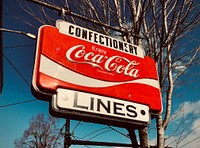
99	59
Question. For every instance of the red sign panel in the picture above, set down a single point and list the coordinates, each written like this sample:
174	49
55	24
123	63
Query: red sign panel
70	61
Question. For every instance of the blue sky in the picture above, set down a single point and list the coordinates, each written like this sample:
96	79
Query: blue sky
18	51
18	62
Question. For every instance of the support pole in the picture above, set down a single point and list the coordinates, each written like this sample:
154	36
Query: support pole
133	137
97	143
67	140
1	50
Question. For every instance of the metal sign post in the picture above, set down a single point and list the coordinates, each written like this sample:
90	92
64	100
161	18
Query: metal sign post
67	139
1	50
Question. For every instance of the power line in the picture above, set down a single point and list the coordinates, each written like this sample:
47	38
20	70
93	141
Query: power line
76	126
125	135
59	133
19	46
103	132
64	11
190	141
17	103
98	130
1	44
32	36
22	102
16	70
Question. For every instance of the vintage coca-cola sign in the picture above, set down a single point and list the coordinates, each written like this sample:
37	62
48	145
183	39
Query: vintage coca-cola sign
72	57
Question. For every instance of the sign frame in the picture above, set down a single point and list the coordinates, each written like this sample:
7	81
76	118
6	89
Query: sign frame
63	112
101	107
100	58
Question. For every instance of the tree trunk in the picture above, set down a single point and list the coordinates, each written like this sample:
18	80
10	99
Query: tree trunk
160	132
143	134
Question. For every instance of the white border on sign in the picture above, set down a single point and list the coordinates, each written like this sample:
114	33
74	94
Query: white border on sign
101	105
96	38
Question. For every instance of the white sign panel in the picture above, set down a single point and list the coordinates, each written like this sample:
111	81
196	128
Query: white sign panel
98	38
95	104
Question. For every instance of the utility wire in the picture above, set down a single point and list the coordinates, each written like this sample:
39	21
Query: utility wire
125	135
59	133
22	102
18	46
17	70
94	132
32	36
76	126
103	132
18	103
190	141
64	11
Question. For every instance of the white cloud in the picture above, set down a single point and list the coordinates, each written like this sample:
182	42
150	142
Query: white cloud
187	126
178	65
186	109
193	107
153	141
